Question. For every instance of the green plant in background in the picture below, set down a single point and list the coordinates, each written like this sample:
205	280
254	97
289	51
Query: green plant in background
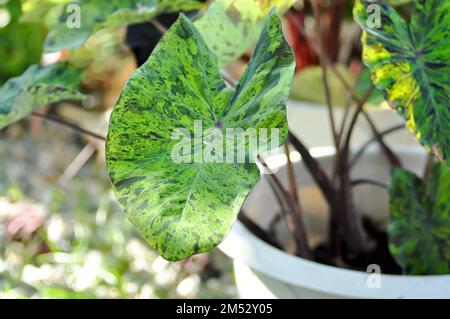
97	15
36	87
39	86
183	209
239	24
242	20
39	11
17	56
395	3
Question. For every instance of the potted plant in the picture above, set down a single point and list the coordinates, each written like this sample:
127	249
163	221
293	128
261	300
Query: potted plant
185	148
189	207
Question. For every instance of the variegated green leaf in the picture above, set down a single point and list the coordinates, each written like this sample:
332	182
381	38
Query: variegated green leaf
231	27
419	231
36	87
411	64
187	208
95	15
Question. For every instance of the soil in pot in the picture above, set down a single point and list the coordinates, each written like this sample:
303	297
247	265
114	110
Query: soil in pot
316	217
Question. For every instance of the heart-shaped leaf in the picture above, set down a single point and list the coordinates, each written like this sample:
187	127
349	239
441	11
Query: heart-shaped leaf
189	207
419	231
81	19
411	64
231	27
36	87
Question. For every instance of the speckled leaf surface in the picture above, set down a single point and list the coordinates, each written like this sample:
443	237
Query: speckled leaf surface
96	15
411	65
231	27
188	208
419	230
36	87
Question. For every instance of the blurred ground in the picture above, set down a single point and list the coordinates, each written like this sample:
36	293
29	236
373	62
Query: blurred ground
76	242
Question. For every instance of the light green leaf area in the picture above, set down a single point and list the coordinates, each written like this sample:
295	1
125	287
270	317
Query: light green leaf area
308	85
395	3
81	19
186	208
231	27
36	87
37	11
419	230
410	63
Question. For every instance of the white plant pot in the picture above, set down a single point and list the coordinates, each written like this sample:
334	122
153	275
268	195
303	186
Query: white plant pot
263	271
311	122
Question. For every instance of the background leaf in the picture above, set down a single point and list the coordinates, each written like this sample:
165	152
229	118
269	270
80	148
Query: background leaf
37	10
410	63
231	27
16	56
308	85
398	2
100	14
184	209
36	87
419	231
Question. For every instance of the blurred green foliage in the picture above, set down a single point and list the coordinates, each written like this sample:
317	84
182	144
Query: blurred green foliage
21	43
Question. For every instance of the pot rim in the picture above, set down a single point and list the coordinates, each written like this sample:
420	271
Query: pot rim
245	248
